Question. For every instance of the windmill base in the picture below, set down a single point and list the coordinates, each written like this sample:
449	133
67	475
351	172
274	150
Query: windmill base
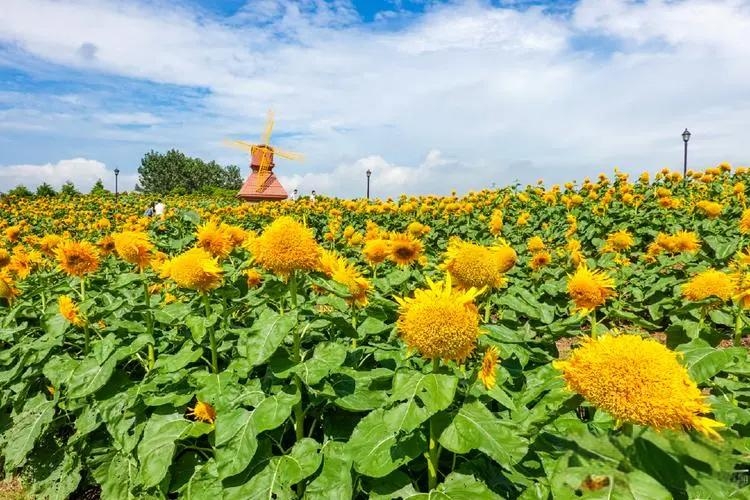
272	189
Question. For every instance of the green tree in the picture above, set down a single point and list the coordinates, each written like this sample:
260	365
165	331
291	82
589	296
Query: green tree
98	188
69	189
45	190
175	172
20	191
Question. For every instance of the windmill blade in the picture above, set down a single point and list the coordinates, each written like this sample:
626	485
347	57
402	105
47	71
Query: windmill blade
266	137
289	155
240	144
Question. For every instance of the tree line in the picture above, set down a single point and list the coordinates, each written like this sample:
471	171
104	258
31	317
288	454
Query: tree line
172	172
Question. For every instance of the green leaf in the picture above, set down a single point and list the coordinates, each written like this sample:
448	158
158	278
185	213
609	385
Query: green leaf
198	325
377	450
276	479
458	487
372	326
157	446
55	473
327	357
174	362
335	479
28	425
265	336
235	441
205	483
172	313
704	361
274	410
90	376
118	477
644	487
475	427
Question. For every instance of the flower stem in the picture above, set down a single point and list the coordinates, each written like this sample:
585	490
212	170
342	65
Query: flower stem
433	452
592	319
211	336
738	324
86	339
299	416
149	325
487	310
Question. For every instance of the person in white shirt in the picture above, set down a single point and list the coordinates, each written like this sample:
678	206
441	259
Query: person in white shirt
312	196
295	195
159	208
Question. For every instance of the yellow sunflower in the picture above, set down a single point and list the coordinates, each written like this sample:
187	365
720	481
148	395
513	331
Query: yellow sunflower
709	283
70	311
535	244
745	222
710	208
440	322
619	241
376	250
489	368
254	278
203	412
504	255
285	246
48	243
106	245
539	260
472	265
4	257
7	286
215	240
639	381
686	241
589	289
405	249
77	258
133	247
195	269
341	271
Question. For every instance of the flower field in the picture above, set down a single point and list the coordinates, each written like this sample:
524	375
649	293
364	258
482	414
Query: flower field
588	340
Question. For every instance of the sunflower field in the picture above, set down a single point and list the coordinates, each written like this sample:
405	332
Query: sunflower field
580	341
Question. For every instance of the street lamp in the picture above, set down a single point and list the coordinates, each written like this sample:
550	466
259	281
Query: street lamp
369	173
117	172
685	139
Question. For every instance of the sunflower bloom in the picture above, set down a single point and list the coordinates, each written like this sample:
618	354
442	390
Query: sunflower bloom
405	249
710	283
48	243
504	255
77	258
215	240
686	241
589	289
69	310
440	322
639	381
341	271
106	245
489	368
710	208
473	265
284	247
618	241
377	250
4	257
535	244
195	269
539	260
133	247
745	222
254	278
203	412
7	288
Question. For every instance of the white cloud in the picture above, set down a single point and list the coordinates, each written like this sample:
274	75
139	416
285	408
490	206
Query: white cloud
80	171
501	93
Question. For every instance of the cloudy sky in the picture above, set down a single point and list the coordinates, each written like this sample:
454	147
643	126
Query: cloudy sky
431	96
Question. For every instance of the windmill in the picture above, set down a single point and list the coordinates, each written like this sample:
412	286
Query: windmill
262	184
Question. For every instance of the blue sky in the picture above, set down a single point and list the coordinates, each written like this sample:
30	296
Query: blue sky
431	96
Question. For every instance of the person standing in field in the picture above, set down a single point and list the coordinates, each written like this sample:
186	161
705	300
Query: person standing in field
159	208
295	195
312	196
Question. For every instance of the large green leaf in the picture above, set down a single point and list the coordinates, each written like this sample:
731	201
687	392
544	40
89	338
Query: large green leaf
205	483
327	357
157	447
377	449
28	425
704	361
335	479
265	336
235	441
274	410
276	479
118	477
90	376
458	487
475	427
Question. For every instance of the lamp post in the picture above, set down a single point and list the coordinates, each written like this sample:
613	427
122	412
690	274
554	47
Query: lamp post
117	172
685	139
369	173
